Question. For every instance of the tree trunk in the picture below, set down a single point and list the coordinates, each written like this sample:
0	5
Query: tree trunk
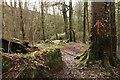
12	21
15	20
55	24
84	23
42	20
87	17
118	21
102	43
113	30
35	26
3	20
71	31
64	11
21	21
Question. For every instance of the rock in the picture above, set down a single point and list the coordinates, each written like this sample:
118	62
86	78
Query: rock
56	42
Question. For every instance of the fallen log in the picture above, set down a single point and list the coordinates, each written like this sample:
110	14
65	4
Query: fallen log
13	47
21	42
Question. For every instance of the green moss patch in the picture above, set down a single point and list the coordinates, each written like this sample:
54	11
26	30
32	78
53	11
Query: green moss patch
54	59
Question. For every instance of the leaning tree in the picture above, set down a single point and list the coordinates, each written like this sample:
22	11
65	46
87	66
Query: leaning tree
103	36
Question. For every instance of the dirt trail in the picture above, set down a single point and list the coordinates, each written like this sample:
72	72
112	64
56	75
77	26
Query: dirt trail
70	69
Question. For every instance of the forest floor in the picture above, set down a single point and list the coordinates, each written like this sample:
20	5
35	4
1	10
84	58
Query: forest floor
70	68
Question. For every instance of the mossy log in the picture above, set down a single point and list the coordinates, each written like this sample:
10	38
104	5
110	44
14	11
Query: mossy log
17	46
24	43
12	47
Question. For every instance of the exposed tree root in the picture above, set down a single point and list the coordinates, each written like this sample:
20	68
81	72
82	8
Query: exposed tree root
87	58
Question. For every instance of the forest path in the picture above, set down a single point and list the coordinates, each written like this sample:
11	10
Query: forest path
70	69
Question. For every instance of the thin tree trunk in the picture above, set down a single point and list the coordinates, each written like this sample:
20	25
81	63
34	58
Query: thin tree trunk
15	22
42	20
70	21
12	21
84	23
113	27
87	17
64	11
54	23
11	27
118	21
21	21
35	25
3	20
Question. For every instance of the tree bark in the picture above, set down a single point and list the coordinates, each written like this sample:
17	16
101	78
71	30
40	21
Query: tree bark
113	29
84	23
118	21
3	20
71	31
64	11
21	21
87	18
15	20
55	24
12	21
42	19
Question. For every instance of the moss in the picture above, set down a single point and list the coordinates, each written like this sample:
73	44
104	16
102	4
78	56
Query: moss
26	41
28	56
54	59
15	39
89	57
53	63
18	41
32	72
34	52
47	41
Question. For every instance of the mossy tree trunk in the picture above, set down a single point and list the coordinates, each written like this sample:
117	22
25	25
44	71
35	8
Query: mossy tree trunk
101	47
